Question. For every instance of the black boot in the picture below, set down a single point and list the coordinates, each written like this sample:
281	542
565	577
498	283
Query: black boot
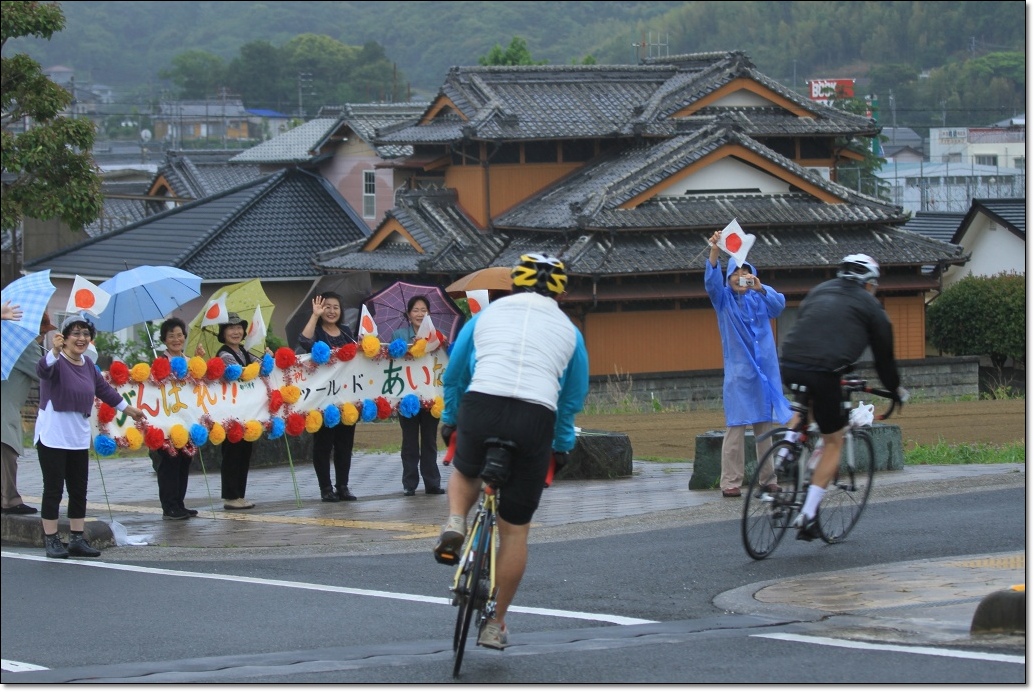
344	493
77	545
55	548
329	495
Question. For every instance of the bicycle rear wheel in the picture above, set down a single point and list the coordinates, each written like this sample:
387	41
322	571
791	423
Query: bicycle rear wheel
767	515
848	492
470	600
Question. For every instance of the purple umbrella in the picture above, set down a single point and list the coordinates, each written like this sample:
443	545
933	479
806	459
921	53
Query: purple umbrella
389	309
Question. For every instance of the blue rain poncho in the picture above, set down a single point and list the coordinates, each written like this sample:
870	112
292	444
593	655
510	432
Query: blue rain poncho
753	389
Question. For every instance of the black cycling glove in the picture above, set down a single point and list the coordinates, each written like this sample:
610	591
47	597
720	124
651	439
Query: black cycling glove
447	432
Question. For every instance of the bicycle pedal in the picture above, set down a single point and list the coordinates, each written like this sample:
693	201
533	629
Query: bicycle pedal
447	558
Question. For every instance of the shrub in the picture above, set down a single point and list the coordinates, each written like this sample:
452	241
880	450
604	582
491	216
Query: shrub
981	316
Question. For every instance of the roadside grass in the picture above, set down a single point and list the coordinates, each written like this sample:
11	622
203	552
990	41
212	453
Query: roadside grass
981	453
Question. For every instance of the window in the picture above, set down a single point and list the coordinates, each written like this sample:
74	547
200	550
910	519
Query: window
986	159
369	194
952	158
1020	162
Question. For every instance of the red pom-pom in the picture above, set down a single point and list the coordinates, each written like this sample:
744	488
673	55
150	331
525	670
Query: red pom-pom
276	400
234	431
383	407
347	352
160	369
154	438
295	424
216	368
105	414
119	373
284	357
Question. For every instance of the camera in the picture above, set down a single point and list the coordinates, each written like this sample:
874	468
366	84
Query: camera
744	281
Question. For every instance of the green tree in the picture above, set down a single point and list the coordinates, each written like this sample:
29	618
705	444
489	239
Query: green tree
516	53
981	316
197	74
257	74
860	177
48	171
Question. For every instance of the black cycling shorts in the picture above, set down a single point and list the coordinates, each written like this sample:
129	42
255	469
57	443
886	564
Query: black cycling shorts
529	426
825	397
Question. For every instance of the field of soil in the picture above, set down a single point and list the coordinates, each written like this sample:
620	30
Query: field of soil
673	435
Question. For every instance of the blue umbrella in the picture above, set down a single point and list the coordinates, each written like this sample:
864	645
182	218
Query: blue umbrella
31	293
145	293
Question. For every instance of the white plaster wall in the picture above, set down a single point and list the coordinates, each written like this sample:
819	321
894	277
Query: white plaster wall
728	173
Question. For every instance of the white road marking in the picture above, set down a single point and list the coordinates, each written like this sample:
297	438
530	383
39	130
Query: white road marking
18	666
576	615
923	650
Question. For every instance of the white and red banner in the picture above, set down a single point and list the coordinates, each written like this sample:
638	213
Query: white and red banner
735	242
87	297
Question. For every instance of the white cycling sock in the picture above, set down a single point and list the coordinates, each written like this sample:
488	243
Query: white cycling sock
811	503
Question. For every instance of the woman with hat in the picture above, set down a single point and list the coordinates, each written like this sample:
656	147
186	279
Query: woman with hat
236	455
69	381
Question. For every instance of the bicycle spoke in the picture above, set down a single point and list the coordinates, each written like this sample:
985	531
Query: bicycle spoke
848	492
768	513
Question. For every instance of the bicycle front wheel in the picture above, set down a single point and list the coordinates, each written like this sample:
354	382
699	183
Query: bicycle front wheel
766	513
848	492
471	584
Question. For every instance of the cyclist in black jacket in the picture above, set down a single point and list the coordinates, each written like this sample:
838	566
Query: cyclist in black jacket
836	321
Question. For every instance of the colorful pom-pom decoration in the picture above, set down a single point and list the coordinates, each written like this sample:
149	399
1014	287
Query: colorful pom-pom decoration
295	424
347	352
154	438
276	428
197	367
178	365
140	372
371	346
369	410
252	430
234	431
179	436
119	373
409	406
215	368
276	401
161	369
331	415
397	348
105	414
217	435
313	421
291	393
250	372
419	348
198	435
233	372
349	413
285	357
320	352
104	445
134	439
267	365
437	407
383	407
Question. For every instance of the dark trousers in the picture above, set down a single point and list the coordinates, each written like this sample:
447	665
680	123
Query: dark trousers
172	471
234	469
340	438
420	450
63	468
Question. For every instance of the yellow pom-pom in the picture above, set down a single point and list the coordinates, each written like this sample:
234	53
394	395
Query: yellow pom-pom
313	421
251	371
197	367
349	413
290	393
437	407
371	346
217	435
179	436
418	348
134	438
140	372
252	430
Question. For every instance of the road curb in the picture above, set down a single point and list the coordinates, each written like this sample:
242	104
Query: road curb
1003	611
27	531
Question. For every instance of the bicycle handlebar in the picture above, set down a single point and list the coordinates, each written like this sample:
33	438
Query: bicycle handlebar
857	385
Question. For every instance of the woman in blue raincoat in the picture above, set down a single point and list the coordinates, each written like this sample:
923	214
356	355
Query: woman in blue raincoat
753	391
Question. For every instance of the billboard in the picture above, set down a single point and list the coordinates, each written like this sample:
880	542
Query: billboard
823	90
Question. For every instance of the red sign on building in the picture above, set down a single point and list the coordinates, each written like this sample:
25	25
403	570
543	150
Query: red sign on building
824	90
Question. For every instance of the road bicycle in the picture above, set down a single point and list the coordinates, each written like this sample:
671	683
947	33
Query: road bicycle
474	583
769	510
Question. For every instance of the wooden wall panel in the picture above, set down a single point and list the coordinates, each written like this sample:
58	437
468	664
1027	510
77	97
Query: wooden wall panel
514	183
469	184
654	341
908	315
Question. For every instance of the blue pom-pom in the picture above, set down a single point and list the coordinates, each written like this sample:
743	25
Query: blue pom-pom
398	348
178	365
409	406
276	428
320	352
232	372
267	365
104	445
369	410
331	416
198	434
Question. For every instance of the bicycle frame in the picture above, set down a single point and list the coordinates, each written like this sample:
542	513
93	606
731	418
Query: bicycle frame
486	507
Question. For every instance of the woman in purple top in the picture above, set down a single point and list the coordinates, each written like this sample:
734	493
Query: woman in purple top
69	382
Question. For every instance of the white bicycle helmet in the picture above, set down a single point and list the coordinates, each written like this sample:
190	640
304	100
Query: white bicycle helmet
860	268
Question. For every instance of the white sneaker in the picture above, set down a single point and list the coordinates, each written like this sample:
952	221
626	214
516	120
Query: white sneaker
451	541
493	636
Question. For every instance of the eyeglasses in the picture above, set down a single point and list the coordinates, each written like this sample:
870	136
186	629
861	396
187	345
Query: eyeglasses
77	334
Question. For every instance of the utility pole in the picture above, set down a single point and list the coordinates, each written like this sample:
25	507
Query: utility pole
304	80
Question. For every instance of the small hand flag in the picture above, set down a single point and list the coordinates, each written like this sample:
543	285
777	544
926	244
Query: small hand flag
735	242
216	312
256	338
366	324
87	297
477	300
428	332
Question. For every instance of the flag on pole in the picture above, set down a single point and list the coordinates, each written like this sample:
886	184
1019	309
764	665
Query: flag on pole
366	324
735	242
428	332
477	300
216	312
87	297
256	337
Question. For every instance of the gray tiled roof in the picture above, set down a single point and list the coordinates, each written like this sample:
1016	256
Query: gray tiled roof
197	174
365	118
1011	213
297	145
940	225
270	227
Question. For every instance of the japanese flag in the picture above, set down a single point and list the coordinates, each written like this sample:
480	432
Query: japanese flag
216	312
477	300
256	338
366	324
735	242
87	296
427	331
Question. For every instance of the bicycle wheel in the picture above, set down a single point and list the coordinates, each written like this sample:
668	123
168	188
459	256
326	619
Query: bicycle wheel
471	587
848	492
767	515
